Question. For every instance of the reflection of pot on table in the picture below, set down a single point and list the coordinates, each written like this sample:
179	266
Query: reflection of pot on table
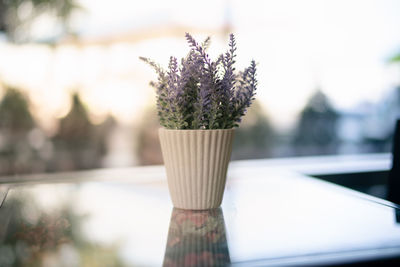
197	238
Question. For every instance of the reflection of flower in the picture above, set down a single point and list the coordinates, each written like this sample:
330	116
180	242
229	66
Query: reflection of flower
196	238
197	218
33	235
47	234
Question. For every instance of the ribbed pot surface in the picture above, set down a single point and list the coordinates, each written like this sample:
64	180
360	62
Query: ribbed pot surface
196	162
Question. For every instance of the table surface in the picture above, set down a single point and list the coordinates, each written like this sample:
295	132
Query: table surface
124	217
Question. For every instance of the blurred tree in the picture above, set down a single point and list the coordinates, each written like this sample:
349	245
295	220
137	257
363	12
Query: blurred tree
148	145
76	126
17	15
72	137
79	144
102	132
17	155
317	128
14	112
255	136
379	128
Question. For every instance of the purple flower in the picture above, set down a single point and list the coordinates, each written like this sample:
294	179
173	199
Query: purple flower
201	93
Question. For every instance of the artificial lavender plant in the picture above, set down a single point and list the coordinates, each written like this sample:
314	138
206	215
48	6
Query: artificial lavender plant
201	93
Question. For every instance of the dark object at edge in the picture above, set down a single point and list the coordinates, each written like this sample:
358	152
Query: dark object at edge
394	174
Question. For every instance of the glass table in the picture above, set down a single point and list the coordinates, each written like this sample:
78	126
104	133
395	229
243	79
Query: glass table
124	217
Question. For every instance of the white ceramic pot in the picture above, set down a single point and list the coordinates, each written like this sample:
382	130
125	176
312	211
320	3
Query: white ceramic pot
196	162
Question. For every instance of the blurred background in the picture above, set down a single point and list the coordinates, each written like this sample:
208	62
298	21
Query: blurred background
74	95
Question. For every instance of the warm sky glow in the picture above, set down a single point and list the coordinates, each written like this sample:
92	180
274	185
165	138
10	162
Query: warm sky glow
341	46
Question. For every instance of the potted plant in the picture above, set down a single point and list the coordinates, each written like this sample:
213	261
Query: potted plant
200	102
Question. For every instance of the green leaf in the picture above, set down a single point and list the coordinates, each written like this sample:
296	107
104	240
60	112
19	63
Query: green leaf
395	59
